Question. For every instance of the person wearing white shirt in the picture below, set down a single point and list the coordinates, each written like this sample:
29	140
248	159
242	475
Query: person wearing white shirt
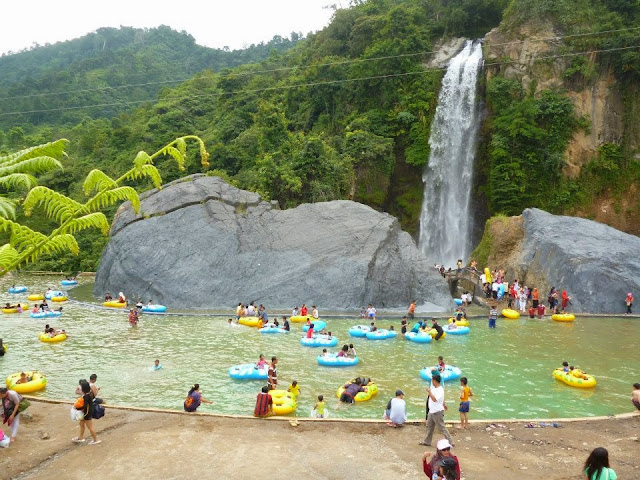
314	312
435	417
397	411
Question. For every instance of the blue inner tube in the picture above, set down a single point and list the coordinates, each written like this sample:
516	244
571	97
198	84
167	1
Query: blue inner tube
272	329
418	337
154	308
458	301
46	314
381	334
451	372
333	360
319	341
317	325
359	330
67	283
20	289
55	293
247	371
457	331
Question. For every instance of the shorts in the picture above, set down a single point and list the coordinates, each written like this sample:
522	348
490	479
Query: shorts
404	330
346	398
372	315
535	303
411	316
636	403
464	407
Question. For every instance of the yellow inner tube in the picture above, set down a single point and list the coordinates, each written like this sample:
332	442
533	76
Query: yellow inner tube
433	332
113	304
575	378
510	314
300	318
283	402
15	310
249	321
37	382
563	317
61	337
4	346
35	297
58	299
372	389
461	323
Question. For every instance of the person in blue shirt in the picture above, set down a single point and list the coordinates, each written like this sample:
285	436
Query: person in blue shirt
156	365
417	326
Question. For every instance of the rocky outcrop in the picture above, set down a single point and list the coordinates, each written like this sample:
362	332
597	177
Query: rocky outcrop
595	263
200	242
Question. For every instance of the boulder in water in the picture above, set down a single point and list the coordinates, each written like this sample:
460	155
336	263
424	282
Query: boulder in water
200	242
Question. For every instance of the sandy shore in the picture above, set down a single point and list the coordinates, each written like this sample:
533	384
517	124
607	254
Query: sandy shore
168	446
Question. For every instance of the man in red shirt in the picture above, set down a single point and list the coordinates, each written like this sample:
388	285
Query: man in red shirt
264	403
304	310
541	310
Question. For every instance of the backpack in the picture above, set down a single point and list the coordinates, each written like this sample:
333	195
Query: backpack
79	405
98	411
189	403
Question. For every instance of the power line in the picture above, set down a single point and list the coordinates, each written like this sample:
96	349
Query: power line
310	84
304	67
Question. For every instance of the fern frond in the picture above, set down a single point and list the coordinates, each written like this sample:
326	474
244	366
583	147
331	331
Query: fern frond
141	159
97	180
52	149
8	255
57	245
175	153
108	198
204	155
145	171
23	238
92	220
7	208
18	180
57	206
181	145
31	165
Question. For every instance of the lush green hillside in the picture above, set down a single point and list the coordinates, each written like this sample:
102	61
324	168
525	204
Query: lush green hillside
110	66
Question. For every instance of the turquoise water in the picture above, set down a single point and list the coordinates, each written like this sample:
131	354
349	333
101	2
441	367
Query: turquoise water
509	368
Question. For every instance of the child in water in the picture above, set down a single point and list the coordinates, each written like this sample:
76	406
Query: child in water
565	367
465	393
262	363
156	365
318	408
294	389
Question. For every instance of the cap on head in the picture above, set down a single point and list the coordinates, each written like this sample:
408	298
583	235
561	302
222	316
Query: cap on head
442	444
399	392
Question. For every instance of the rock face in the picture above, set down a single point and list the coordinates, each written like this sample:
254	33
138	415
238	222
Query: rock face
200	242
595	263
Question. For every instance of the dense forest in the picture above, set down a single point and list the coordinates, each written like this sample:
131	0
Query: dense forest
344	113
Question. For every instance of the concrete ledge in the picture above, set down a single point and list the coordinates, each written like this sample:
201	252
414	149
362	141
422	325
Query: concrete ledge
372	421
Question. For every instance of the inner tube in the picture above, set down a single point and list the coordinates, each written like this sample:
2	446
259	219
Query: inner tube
300	318
381	334
15	310
114	304
249	321
359	330
317	325
59	299
572	380
19	289
283	402
53	293
37	382
461	330
510	314
154	308
458	301
333	360
247	371
420	337
461	323
272	329
68	283
35	297
563	317
451	372
433	332
319	341
372	389
45	314
44	337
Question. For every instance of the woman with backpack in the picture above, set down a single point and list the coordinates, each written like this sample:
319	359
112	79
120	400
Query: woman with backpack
85	405
11	409
194	399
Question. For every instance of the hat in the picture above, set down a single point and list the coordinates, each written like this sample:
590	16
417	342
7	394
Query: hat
399	392
449	463
442	444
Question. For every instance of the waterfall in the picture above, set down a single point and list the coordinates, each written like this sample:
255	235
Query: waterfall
445	221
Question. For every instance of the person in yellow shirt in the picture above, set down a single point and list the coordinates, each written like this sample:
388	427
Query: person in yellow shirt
294	389
318	408
465	393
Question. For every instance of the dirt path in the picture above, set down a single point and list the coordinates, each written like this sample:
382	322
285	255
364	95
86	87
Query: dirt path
168	446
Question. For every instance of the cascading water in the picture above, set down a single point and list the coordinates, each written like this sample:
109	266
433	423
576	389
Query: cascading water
445	221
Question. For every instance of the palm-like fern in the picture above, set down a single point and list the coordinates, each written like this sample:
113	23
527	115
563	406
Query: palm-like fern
17	170
26	245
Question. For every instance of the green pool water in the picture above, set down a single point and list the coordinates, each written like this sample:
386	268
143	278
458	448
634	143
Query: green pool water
509	368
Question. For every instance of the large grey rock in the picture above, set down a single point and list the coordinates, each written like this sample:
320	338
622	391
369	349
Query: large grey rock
595	263
200	242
